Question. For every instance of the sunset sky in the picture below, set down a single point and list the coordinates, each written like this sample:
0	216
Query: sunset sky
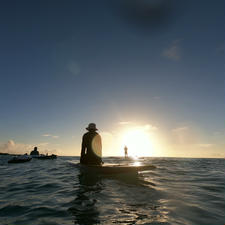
149	73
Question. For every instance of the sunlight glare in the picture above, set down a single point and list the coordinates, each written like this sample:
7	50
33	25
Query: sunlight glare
138	142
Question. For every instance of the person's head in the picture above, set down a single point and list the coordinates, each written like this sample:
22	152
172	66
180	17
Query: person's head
91	127
35	148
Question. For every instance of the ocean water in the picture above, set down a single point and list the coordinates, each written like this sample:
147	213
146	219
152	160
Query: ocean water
54	192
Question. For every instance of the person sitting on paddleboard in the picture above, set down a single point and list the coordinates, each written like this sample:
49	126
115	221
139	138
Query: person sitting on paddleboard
91	150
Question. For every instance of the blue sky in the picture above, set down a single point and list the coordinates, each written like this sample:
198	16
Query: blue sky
64	64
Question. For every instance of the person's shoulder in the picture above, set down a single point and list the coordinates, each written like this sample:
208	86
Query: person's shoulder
86	134
97	134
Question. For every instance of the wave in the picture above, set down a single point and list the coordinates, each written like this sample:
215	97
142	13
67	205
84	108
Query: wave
178	191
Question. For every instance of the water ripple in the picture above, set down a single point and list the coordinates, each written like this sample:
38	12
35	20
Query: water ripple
178	192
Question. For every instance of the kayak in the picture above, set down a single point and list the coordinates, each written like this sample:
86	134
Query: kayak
45	156
114	168
19	159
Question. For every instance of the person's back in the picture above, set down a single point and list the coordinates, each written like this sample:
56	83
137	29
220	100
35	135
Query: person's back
91	151
34	152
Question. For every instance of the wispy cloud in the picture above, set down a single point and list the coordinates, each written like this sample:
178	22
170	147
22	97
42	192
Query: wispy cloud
150	127
126	123
173	52
136	125
205	145
178	129
50	135
43	144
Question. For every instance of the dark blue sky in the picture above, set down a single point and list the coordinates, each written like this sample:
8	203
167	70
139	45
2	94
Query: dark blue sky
64	64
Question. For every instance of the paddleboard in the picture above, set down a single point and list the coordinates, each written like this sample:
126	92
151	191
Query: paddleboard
114	169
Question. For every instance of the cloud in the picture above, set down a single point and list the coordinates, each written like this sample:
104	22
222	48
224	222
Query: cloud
73	67
50	135
173	52
147	127
150	127
178	129
15	148
126	123
205	145
43	144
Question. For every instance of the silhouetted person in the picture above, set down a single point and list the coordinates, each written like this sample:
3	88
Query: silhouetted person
125	151
35	151
91	151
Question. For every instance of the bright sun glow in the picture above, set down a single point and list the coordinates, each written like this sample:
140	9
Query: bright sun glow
138	142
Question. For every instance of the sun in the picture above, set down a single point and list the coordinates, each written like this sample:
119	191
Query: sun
138	142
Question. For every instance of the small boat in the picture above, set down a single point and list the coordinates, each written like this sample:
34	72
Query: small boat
20	159
46	156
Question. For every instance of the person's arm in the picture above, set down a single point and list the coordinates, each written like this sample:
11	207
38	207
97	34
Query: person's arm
82	151
83	147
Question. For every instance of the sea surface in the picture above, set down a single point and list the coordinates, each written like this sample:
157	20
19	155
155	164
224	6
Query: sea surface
54	192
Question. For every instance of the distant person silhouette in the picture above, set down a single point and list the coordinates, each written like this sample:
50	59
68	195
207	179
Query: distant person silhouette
35	151
126	151
91	150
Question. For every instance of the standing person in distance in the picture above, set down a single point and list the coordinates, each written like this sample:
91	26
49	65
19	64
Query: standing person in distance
126	151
